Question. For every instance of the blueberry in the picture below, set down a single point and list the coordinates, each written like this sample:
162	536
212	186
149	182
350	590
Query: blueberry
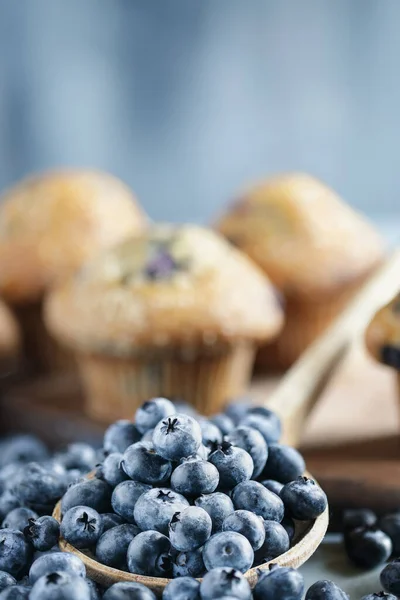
112	546
190	529
19	518
78	456
368	547
155	509
7	503
218	506
325	590
128	591
252	441
284	463
279	582
81	527
276	542
238	409
228	549
6	580
248	524
234	464
111	471
56	561
289	526
120	435
390	524
223	422
211	434
304	499
272	486
195	477
111	520
269	427
358	517
223	581
16	592
91	492
95	593
149	554
125	496
43	533
252	496
60	586
379	595
189	564
15	552
177	437
37	488
142	463
152	412
22	449
183	588
390	578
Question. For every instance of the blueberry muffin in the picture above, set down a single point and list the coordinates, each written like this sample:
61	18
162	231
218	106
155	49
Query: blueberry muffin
9	339
383	335
49	225
176	312
316	250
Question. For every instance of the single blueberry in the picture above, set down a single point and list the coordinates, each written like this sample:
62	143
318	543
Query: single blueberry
218	506
190	529
189	564
6	580
7	503
304	499
223	422
56	561
177	437
125	496
148	436
358	517
16	592
252	496
272	486
111	520
60	586
279	582
152	412
22	449
325	590
128	591
276	542
269	426
43	533
95	593
368	547
149	554
142	463
111	471
194	477
79	456
183	588
238	409
234	464
228	549
94	493
120	435
155	509
390	524
390	578
284	463
112	547
37	488
252	441
15	552
222	582
211	434
81	526
19	519
248	524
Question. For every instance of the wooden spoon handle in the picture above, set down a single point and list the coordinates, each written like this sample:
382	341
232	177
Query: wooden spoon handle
303	383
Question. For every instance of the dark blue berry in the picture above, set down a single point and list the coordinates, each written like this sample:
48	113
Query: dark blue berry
284	463
60	586
189	564
289	526
279	582
234	465
325	590
358	517
37	488
224	582
152	412
112	546
273	486
15	552
155	509
304	500
368	547
22	449
111	471
218	506
111	520
194	477
248	524
390	524
211	434
43	533
6	580
142	463
228	549
94	493
390	578
177	437
78	456
19	519
252	441
267	423
128	591
56	561
379	595
149	554
120	435
190	529
7	503
125	496
223	422
238	409
81	526
252	496
16	592
276	542
183	588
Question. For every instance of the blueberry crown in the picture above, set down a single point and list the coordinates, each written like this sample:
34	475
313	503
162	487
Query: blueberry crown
88	524
53	578
171	425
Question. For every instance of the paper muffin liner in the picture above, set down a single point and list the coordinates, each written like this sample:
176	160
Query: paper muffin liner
42	354
304	321
116	387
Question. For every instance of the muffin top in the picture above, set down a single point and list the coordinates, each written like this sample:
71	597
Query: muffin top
9	333
171	286
304	237
52	223
383	334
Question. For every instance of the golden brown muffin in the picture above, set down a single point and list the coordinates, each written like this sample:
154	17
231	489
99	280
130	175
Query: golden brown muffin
49	226
176	311
315	249
383	334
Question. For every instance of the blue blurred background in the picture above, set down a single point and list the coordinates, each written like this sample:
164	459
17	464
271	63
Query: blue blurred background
189	100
